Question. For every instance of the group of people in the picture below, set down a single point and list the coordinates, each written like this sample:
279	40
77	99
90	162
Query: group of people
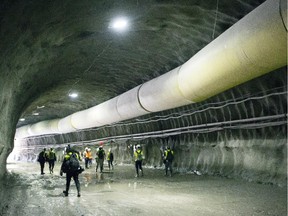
47	156
72	168
167	156
71	165
100	158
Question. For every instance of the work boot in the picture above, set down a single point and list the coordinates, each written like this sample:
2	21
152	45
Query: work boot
65	193
78	195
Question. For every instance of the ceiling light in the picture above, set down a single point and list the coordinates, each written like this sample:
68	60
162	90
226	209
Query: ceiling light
120	24
73	95
40	107
36	114
22	119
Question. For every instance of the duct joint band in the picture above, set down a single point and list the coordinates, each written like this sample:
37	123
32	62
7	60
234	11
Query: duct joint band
283	11
138	98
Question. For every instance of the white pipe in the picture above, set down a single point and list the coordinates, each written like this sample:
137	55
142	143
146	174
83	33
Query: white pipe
104	113
162	93
65	125
283	12
128	105
255	45
41	127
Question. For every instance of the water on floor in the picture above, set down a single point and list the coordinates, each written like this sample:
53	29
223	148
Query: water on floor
118	192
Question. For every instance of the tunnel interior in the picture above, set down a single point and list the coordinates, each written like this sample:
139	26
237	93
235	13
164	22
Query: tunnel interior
207	78
50	50
236	134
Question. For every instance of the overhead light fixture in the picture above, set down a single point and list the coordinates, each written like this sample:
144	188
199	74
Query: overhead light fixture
73	95
40	107
22	119
120	24
36	114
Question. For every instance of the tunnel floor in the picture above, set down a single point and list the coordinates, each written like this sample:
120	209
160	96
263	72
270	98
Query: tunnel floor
120	193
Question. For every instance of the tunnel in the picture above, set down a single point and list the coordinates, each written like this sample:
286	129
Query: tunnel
205	78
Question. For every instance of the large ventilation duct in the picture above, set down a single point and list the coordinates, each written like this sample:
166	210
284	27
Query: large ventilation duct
255	45
41	127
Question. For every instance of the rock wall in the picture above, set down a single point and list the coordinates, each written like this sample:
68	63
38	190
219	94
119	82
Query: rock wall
257	159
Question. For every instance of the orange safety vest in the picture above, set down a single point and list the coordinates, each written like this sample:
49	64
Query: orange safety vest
88	155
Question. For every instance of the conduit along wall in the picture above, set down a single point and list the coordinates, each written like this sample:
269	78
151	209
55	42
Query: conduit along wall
253	46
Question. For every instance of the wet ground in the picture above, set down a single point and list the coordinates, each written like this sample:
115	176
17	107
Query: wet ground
119	193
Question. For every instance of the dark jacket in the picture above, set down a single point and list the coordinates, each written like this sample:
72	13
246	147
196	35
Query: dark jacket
66	165
42	157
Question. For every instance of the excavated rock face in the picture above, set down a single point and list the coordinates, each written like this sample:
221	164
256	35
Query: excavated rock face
50	49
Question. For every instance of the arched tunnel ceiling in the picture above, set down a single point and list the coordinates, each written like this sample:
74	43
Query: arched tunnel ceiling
60	47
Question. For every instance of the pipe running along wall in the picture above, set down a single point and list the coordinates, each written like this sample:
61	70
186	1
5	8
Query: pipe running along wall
253	46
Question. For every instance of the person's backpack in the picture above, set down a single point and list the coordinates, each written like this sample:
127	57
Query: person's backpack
169	155
72	163
101	154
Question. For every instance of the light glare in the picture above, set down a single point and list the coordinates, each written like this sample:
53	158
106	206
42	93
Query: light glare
73	95
120	24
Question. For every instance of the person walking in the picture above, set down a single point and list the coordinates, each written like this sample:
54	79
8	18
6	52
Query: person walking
168	159
88	157
97	159
51	159
42	158
72	168
100	156
110	158
138	157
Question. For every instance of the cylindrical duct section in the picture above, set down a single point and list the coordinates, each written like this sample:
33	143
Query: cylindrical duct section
105	113
128	105
283	12
65	125
84	119
22	131
255	45
162	93
53	125
44	127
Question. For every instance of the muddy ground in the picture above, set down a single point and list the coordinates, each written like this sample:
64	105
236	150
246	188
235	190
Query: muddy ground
118	192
